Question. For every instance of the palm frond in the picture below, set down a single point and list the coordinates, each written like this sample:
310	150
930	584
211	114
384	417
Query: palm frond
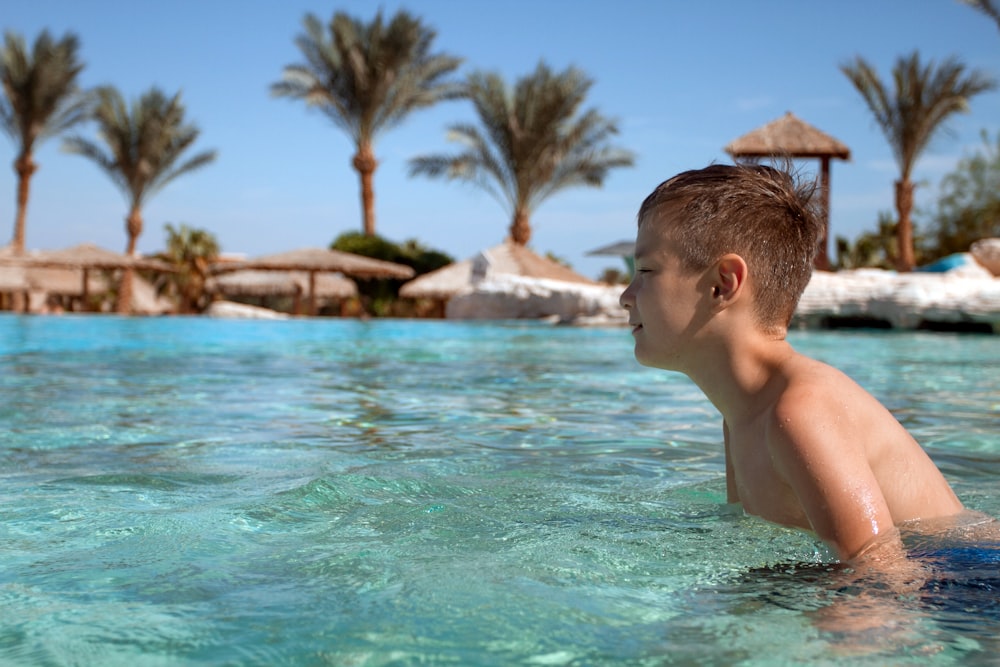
41	96
532	139
922	98
143	142
368	77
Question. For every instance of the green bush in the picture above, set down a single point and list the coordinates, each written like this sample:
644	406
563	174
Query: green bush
380	296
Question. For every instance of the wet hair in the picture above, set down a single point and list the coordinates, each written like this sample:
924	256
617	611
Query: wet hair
765	215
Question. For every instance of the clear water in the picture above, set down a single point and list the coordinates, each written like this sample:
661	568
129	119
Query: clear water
189	491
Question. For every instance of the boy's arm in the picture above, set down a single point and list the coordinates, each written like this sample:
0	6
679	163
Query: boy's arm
732	495
826	465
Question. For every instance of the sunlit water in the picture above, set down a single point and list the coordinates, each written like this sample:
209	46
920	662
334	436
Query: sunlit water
194	491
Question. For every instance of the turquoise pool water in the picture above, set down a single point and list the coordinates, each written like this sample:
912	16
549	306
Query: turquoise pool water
184	491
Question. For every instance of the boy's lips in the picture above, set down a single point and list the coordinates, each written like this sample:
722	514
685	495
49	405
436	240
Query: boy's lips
636	326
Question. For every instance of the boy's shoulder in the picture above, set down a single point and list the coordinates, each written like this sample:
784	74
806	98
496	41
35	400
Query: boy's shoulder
804	376
816	398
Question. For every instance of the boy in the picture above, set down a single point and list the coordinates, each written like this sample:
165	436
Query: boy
721	258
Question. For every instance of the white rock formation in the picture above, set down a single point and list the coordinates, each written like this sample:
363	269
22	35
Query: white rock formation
233	310
969	294
515	297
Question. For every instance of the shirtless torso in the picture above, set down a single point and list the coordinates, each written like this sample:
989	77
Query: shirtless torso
821	453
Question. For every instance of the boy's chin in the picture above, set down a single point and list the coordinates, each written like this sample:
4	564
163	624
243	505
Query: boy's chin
652	362
647	361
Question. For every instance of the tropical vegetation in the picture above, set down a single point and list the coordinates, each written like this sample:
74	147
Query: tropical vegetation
367	78
872	249
910	113
142	149
190	251
41	99
380	296
533	141
968	204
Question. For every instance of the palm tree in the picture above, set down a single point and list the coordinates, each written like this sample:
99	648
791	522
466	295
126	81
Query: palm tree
367	78
533	142
988	7
923	97
41	99
142	147
190	251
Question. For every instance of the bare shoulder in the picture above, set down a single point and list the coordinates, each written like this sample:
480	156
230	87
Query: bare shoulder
813	391
818	407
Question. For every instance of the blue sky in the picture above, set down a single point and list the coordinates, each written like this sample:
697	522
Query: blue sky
682	78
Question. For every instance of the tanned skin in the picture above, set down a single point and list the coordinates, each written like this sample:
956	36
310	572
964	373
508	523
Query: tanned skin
805	445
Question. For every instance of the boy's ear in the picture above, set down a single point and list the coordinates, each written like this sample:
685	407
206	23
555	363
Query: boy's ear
730	277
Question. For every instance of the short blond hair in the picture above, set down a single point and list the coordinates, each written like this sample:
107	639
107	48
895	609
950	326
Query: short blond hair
765	215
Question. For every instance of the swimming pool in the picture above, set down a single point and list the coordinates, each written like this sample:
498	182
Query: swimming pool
196	491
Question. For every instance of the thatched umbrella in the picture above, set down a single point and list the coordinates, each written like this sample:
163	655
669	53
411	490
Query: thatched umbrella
251	282
623	249
319	260
791	137
505	259
84	258
62	281
13	279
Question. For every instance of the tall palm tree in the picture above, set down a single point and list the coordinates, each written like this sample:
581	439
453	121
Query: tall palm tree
41	99
141	152
909	115
533	142
367	78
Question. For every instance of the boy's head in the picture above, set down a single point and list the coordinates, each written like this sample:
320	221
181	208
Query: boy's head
760	213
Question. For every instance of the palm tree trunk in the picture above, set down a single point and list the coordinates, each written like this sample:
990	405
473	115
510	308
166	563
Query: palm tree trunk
822	261
133	226
520	228
905	260
365	163
25	167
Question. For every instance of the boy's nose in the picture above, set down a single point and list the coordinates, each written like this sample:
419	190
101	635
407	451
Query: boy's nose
625	300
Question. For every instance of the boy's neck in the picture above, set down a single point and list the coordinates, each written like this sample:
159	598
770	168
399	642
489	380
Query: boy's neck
737	375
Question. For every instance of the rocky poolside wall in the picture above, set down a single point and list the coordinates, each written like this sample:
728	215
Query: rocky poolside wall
964	299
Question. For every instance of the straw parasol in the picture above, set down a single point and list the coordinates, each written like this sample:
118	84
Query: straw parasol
83	257
319	260
13	278
62	281
505	259
251	282
623	249
790	136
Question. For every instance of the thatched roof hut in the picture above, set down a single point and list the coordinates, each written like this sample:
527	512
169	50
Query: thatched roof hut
792	137
788	136
64	282
12	275
55	272
251	282
89	256
315	261
13	279
505	259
